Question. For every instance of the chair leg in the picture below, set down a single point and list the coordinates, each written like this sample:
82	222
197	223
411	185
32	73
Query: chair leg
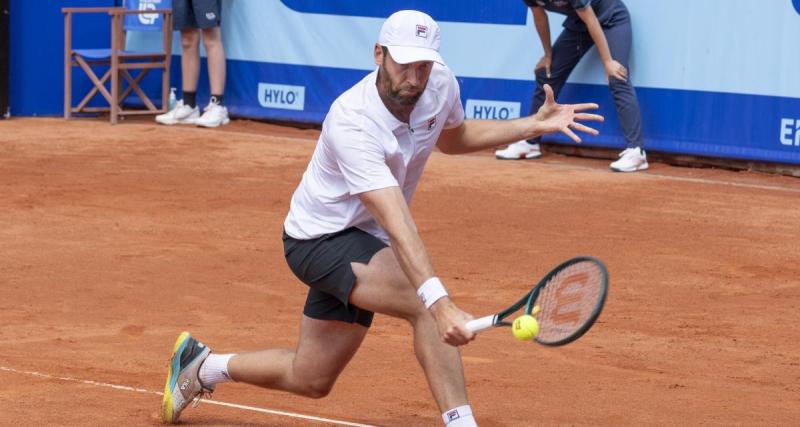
68	87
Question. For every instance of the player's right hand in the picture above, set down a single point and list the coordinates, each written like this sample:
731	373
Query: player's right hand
452	322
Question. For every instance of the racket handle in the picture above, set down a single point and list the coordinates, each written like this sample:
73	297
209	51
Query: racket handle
481	323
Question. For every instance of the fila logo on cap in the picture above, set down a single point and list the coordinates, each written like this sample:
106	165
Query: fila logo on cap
422	31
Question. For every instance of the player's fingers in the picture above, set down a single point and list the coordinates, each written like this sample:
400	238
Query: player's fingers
548	94
568	132
585	106
585	129
589	117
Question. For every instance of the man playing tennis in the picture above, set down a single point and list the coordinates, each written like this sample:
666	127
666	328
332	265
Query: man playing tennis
350	237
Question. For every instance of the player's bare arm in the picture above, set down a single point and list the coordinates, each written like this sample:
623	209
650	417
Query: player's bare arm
475	135
389	208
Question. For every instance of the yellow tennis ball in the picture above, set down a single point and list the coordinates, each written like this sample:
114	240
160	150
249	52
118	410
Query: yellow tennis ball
525	327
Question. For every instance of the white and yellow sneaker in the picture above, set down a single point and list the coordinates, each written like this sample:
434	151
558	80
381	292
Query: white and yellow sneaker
183	379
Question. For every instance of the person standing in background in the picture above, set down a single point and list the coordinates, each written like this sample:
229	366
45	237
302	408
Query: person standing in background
607	24
194	18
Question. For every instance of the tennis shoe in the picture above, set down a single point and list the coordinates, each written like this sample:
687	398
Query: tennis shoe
631	160
214	115
183	379
518	151
182	114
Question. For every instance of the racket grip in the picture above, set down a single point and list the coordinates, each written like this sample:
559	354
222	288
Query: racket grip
481	324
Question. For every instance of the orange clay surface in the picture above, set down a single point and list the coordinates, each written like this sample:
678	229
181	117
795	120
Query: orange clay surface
113	239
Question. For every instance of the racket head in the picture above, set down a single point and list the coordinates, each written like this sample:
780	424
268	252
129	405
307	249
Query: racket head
570	299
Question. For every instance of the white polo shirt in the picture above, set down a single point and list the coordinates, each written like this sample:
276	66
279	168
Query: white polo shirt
363	147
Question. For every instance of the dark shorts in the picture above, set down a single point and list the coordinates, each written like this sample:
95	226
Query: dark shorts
324	265
195	14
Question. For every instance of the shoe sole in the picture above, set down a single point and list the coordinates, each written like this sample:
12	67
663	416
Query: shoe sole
525	157
176	122
213	125
636	169
167	405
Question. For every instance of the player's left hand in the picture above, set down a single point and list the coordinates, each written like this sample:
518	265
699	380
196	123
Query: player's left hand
565	118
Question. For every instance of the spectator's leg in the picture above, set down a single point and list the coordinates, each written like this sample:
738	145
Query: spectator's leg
212	40
619	40
190	64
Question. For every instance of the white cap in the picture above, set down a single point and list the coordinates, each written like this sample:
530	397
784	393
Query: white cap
411	36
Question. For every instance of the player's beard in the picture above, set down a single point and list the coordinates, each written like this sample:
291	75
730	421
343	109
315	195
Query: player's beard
394	94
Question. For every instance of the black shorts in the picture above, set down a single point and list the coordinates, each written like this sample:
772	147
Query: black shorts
195	14
324	265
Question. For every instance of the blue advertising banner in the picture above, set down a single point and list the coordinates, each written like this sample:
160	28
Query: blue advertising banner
708	85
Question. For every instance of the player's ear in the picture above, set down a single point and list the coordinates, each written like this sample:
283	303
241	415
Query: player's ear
378	53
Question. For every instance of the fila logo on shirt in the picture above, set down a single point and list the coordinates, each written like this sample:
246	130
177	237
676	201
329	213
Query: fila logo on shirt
422	31
431	122
453	415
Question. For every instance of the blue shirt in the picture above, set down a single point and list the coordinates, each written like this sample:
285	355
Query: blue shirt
609	12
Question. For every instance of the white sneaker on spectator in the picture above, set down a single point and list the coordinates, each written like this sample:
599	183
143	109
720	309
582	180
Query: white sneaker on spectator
213	116
631	160
519	150
182	114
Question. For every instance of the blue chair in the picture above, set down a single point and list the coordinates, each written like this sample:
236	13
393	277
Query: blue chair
137	15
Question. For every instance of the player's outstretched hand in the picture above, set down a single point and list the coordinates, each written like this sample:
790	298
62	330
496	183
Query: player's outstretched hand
565	118
452	322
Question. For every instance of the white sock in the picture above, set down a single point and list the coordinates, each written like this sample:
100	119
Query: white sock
215	369
459	417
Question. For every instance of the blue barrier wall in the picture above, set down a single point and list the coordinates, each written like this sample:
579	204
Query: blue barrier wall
715	78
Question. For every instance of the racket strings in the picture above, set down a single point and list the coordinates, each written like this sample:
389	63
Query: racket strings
568	301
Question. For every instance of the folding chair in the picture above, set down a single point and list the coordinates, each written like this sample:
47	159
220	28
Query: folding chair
119	61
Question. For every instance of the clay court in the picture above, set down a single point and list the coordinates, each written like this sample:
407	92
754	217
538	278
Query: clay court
115	239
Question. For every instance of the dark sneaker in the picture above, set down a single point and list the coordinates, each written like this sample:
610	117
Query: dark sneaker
183	382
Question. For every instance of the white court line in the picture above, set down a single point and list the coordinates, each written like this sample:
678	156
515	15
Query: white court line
211	402
555	165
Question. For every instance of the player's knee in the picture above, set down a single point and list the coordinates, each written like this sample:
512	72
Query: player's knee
317	389
416	313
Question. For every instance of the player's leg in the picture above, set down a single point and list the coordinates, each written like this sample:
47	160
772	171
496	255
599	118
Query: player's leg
568	50
324	349
382	287
620	38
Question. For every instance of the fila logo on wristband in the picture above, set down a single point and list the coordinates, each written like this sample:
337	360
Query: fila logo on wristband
431	291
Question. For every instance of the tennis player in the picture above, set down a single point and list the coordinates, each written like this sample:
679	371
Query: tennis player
349	235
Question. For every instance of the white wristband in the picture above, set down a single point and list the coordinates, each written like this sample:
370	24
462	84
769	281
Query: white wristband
431	291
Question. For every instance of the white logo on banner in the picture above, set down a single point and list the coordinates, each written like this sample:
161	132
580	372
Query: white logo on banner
789	127
148	18
285	97
493	110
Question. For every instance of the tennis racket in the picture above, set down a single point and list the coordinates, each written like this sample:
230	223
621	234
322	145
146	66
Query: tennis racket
566	302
